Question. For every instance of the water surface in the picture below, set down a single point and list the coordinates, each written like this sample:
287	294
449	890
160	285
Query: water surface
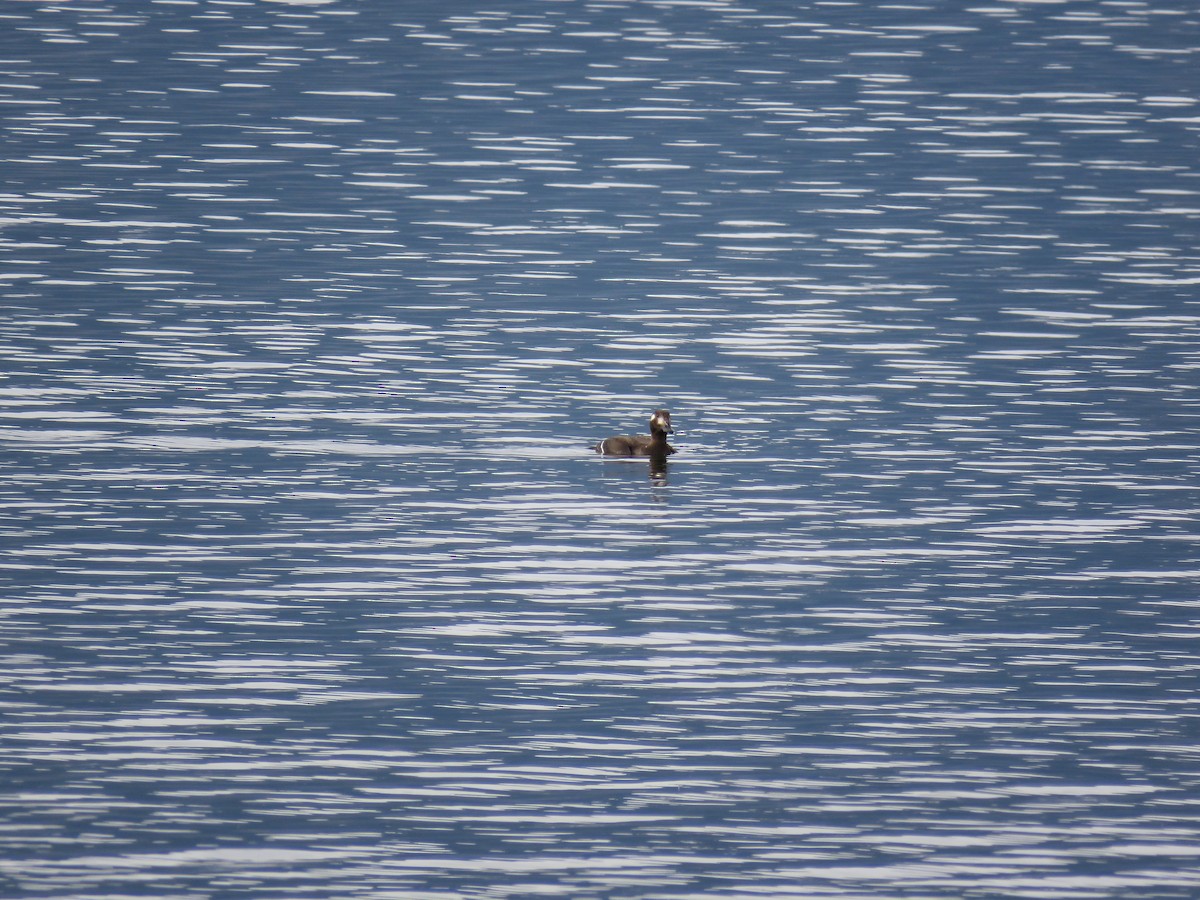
312	586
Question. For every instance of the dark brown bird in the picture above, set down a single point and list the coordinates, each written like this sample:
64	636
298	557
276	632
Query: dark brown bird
641	445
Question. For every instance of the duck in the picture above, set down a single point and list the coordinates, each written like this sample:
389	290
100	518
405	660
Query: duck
641	445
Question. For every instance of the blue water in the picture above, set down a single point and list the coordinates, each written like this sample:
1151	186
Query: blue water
311	586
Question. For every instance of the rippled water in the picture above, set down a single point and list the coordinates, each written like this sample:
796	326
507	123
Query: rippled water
313	588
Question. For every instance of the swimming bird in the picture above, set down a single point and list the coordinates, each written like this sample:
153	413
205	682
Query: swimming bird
641	445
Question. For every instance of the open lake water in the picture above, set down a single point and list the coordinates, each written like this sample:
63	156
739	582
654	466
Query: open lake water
312	587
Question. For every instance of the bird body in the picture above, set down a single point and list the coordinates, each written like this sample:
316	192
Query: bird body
654	444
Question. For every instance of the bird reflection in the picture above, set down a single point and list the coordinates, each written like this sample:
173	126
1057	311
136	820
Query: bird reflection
658	469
